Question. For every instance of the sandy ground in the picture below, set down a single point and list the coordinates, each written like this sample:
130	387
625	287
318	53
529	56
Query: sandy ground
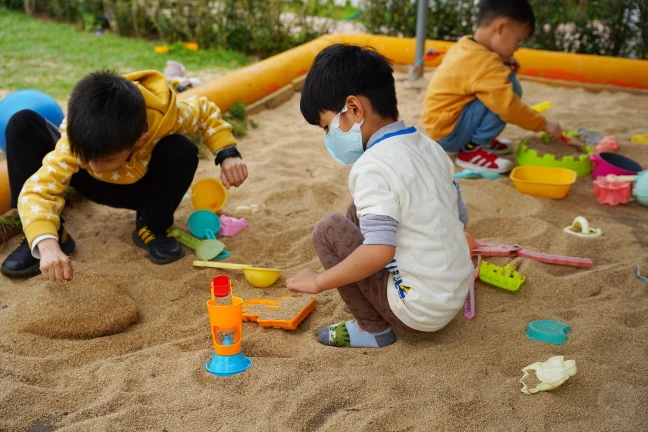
151	376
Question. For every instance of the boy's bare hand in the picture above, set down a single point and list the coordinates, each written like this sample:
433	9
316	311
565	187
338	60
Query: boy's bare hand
233	172
54	264
553	129
304	282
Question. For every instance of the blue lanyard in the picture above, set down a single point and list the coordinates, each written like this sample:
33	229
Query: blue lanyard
405	131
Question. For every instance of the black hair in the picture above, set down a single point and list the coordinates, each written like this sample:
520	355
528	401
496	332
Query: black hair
516	10
343	70
106	115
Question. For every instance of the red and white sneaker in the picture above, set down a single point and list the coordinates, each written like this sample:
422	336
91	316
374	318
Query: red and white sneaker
480	159
501	146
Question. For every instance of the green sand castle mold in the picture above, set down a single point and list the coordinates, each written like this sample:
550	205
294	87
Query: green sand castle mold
582	165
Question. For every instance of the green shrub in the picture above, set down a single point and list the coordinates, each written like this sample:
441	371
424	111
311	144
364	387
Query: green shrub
606	27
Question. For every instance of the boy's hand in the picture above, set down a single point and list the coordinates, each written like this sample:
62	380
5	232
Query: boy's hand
304	282
553	129
54	264
513	63
233	172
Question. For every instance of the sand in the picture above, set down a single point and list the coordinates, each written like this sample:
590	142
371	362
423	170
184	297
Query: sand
554	147
466	377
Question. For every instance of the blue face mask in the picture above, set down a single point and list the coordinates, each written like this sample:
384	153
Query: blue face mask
345	147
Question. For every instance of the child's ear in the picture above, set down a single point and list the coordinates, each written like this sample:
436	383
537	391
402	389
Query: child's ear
499	25
142	139
355	107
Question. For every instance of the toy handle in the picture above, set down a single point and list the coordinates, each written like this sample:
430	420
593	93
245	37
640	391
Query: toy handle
185	239
555	259
469	303
594	157
220	265
615	178
209	233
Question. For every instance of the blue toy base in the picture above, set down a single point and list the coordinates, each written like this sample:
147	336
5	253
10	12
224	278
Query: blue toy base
227	365
221	256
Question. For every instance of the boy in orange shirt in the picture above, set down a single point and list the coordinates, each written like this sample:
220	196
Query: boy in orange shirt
475	93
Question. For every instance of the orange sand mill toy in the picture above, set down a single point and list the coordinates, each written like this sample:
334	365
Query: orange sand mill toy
225	319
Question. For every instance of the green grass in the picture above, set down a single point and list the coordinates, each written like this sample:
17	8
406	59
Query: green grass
52	57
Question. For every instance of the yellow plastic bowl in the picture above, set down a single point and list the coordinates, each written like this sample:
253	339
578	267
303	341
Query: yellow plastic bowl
209	194
260	277
548	182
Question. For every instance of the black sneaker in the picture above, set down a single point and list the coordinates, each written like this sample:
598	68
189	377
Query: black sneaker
21	263
162	247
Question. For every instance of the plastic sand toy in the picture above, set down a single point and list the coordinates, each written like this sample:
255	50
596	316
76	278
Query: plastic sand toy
470	174
542	106
549	331
248	209
607	144
204	224
611	163
502	277
639	139
469	303
612	192
547	375
226	321
581	164
589	136
209	194
547	182
489	248
204	249
257	277
639	275
580	227
231	226
285	313
640	189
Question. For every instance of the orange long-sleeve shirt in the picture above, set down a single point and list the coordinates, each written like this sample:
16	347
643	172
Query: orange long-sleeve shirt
471	71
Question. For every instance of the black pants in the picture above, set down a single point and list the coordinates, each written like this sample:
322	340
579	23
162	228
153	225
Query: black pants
155	196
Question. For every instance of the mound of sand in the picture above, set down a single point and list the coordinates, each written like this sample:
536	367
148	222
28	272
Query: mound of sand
86	307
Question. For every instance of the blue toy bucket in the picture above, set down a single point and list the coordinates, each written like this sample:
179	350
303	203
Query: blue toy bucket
204	224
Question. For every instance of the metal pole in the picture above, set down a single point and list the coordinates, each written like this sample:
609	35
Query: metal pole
416	70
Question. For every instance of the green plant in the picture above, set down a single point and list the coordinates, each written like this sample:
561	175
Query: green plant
237	117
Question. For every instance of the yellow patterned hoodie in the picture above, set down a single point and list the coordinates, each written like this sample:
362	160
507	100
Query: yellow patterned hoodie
41	199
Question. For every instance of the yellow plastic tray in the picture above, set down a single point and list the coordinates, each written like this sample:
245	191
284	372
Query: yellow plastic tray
290	324
548	182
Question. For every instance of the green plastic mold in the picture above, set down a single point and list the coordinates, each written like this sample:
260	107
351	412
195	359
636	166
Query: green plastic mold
502	277
582	164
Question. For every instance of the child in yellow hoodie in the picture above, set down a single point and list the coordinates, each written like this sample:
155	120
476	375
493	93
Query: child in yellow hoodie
474	93
123	144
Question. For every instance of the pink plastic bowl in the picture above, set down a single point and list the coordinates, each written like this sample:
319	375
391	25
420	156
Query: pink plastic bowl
611	163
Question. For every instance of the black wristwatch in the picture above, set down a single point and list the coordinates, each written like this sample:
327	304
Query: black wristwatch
225	153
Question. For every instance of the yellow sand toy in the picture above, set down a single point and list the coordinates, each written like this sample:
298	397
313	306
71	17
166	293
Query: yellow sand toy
542	106
257	277
640	139
547	375
209	194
